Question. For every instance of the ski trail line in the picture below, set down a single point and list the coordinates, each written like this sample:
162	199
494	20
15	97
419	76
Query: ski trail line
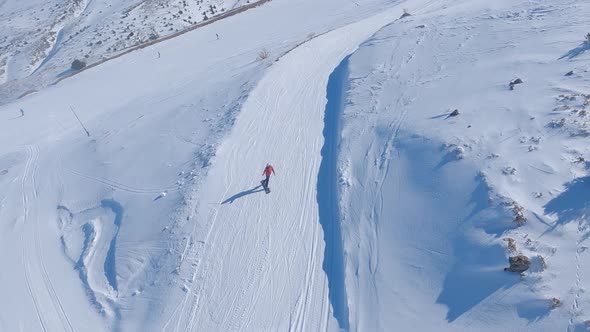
59	309
29	187
31	293
123	187
67	325
25	259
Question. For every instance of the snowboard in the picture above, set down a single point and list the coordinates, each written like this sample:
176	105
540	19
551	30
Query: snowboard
266	189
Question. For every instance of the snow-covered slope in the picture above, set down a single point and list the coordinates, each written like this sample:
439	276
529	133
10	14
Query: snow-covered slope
431	203
130	198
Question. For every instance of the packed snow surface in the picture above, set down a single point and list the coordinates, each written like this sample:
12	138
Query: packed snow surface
414	154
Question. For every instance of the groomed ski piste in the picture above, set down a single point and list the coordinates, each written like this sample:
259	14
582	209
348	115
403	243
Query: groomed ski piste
130	195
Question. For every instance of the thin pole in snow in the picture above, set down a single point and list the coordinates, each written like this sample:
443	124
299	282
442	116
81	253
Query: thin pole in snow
81	124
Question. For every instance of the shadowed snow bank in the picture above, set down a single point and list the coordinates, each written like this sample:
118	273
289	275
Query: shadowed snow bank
328	194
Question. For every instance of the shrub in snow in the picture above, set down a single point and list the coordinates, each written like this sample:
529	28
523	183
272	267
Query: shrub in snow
555	303
77	64
263	54
519	217
588	38
543	262
514	82
405	14
459	152
509	170
518	264
493	156
556	123
511	246
569	73
579	160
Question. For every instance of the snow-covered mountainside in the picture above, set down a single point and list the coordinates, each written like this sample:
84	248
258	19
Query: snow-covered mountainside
418	146
39	40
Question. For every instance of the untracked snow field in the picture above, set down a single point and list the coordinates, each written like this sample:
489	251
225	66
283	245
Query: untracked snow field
130	195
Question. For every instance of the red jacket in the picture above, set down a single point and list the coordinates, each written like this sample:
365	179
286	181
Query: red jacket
267	170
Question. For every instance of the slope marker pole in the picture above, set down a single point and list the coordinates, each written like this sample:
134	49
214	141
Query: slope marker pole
81	124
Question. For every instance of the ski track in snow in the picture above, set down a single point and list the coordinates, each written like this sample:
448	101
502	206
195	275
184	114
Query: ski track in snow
30	192
124	187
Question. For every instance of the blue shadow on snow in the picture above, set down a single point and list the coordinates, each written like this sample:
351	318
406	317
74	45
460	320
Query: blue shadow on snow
572	204
242	194
533	310
478	272
576	51
110	269
327	193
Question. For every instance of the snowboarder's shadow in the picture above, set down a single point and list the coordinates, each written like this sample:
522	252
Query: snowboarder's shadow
242	194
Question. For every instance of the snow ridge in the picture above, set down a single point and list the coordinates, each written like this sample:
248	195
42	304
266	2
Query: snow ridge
329	215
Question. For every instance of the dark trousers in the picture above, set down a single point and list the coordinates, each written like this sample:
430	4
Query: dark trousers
266	180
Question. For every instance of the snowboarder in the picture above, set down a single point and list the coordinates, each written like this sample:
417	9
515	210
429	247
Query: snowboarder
22	112
268	170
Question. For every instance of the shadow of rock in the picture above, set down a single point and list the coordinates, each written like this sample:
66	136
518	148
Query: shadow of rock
474	278
478	271
533	310
572	204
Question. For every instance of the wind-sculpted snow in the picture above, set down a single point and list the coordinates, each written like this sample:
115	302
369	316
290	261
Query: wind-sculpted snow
89	240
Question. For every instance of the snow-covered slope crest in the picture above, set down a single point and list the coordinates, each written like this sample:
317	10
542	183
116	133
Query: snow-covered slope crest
40	39
433	202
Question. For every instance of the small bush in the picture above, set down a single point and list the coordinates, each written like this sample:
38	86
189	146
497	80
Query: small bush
555	303
78	64
263	54
543	263
405	14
